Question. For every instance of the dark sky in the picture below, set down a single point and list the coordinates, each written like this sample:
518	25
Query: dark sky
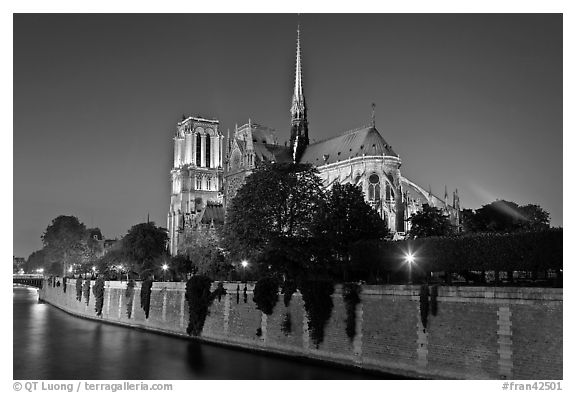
470	101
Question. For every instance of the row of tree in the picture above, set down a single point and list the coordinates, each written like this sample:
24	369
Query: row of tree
282	220
66	242
499	216
285	222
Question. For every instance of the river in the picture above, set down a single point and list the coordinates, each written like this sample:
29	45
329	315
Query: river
51	344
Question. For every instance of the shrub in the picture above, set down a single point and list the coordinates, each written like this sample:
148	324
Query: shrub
434	300
130	297
286	325
521	251
79	289
288	289
266	294
145	294
351	295
318	305
98	291
86	290
199	299
424	292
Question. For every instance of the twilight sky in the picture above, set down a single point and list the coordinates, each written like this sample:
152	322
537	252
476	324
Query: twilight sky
473	102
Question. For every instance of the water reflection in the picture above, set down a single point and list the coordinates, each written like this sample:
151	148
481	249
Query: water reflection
51	344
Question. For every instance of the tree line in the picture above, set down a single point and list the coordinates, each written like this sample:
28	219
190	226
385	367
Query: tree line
282	222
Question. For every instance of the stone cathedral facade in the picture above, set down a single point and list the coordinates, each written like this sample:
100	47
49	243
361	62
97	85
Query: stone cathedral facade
360	156
197	175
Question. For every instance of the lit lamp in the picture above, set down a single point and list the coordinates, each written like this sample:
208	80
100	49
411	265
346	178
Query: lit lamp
409	260
164	268
244	265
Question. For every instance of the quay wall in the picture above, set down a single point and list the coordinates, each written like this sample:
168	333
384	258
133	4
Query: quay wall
477	332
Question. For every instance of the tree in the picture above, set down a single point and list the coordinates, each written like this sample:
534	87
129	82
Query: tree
63	243
36	260
343	220
275	206
430	221
203	255
182	266
90	250
534	217
108	263
143	246
506	216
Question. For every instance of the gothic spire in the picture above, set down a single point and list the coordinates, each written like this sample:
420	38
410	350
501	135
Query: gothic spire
298	109
299	133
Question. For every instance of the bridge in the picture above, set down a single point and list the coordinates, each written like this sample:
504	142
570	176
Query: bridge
31	280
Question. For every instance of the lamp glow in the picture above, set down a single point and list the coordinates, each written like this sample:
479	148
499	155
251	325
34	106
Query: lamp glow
410	258
244	263
164	267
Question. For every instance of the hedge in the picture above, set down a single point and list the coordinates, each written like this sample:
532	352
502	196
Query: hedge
522	251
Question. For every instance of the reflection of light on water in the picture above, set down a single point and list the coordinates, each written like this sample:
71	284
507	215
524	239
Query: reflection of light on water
38	329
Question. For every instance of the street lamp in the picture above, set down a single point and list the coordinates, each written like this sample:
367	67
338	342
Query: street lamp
244	265
410	260
164	268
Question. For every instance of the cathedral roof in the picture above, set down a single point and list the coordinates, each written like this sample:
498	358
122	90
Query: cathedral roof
348	145
213	213
418	193
266	153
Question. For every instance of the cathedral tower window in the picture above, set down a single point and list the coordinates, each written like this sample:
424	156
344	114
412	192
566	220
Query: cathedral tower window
208	139
374	188
198	148
198	183
208	184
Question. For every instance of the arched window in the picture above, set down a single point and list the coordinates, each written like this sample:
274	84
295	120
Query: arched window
208	139
374	188
208	183
198	149
198	183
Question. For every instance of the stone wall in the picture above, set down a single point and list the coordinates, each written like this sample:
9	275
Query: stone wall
477	332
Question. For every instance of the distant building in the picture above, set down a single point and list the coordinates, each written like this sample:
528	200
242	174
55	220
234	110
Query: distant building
361	157
18	265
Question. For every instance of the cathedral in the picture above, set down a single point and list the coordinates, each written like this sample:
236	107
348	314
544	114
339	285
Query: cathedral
205	176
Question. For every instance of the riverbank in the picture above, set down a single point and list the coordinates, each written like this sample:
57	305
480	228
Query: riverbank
476	332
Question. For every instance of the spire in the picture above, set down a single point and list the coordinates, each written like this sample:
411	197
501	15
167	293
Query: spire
456	200
299	133
373	115
298	109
